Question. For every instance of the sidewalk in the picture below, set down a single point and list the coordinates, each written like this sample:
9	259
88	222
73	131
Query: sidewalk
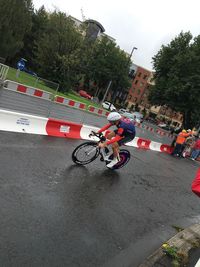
185	245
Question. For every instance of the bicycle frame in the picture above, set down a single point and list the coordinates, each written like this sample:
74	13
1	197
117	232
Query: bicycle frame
101	140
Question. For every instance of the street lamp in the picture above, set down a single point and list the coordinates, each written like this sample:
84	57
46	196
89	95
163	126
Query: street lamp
134	48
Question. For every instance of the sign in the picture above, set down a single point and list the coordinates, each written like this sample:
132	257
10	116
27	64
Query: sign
21	64
23	121
64	129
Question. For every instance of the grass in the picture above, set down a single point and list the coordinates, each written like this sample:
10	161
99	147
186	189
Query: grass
32	81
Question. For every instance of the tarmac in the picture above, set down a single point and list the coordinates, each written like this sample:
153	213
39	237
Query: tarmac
182	250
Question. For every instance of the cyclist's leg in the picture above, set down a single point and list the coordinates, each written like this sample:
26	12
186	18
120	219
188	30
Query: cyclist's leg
126	139
115	146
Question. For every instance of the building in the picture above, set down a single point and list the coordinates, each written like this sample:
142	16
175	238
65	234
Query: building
138	98
90	28
140	82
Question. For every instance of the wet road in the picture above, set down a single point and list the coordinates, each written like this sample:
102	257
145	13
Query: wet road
54	213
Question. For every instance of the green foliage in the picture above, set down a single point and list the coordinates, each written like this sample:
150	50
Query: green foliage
56	50
15	22
177	77
38	28
109	63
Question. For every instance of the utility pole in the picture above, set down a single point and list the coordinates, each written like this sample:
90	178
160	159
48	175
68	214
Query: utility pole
105	95
134	48
128	62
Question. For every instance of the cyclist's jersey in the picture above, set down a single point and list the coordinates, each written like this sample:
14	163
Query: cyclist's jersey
124	128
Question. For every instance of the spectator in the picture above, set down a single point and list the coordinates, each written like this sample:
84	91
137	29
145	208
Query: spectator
196	150
180	141
196	184
189	144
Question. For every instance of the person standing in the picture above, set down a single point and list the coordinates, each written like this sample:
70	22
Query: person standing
180	141
196	150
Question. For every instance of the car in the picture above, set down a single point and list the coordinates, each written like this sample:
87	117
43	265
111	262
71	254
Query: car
84	94
122	110
166	127
109	106
138	117
162	125
128	115
151	120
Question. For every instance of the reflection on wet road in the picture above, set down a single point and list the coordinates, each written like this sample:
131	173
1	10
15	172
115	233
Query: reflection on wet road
54	213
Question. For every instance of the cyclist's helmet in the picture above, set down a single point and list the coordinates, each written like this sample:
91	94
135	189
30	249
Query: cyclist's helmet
114	116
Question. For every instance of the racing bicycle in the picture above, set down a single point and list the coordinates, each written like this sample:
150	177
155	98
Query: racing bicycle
87	152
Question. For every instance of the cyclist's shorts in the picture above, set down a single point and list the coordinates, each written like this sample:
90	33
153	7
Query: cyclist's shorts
127	138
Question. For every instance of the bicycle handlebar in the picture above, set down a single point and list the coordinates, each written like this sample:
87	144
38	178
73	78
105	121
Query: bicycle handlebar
95	134
99	135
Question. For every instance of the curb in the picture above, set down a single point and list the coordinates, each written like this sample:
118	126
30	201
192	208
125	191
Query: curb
183	241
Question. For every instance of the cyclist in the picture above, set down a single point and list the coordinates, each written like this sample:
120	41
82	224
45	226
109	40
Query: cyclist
124	133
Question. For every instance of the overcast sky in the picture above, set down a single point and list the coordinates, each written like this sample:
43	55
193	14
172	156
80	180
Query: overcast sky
144	24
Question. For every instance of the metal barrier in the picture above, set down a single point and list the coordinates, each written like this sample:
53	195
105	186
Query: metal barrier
21	88
98	111
3	72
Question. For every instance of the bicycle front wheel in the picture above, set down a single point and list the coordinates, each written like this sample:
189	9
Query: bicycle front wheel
85	153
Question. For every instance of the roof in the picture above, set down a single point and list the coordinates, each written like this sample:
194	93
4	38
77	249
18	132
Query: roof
97	23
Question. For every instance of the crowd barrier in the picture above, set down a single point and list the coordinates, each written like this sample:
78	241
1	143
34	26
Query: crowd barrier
153	130
28	90
24	123
98	111
71	103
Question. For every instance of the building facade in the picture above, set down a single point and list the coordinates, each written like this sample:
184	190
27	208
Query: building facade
92	30
136	94
138	98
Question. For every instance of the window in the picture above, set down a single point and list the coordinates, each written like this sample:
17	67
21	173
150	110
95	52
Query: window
139	74
145	76
141	84
138	91
136	81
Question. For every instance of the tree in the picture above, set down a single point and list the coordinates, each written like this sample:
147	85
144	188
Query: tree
107	63
177	77
15	22
38	29
58	51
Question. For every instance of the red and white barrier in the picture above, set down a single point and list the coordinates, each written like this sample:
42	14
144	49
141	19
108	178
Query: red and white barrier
31	91
24	123
69	102
151	129
98	111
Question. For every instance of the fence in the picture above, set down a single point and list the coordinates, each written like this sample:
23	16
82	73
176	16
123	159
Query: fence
3	72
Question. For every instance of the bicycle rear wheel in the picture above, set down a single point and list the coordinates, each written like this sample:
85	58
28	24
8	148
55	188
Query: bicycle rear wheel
124	159
85	153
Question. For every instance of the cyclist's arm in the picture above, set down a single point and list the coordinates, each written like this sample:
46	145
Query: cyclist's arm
104	128
115	139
